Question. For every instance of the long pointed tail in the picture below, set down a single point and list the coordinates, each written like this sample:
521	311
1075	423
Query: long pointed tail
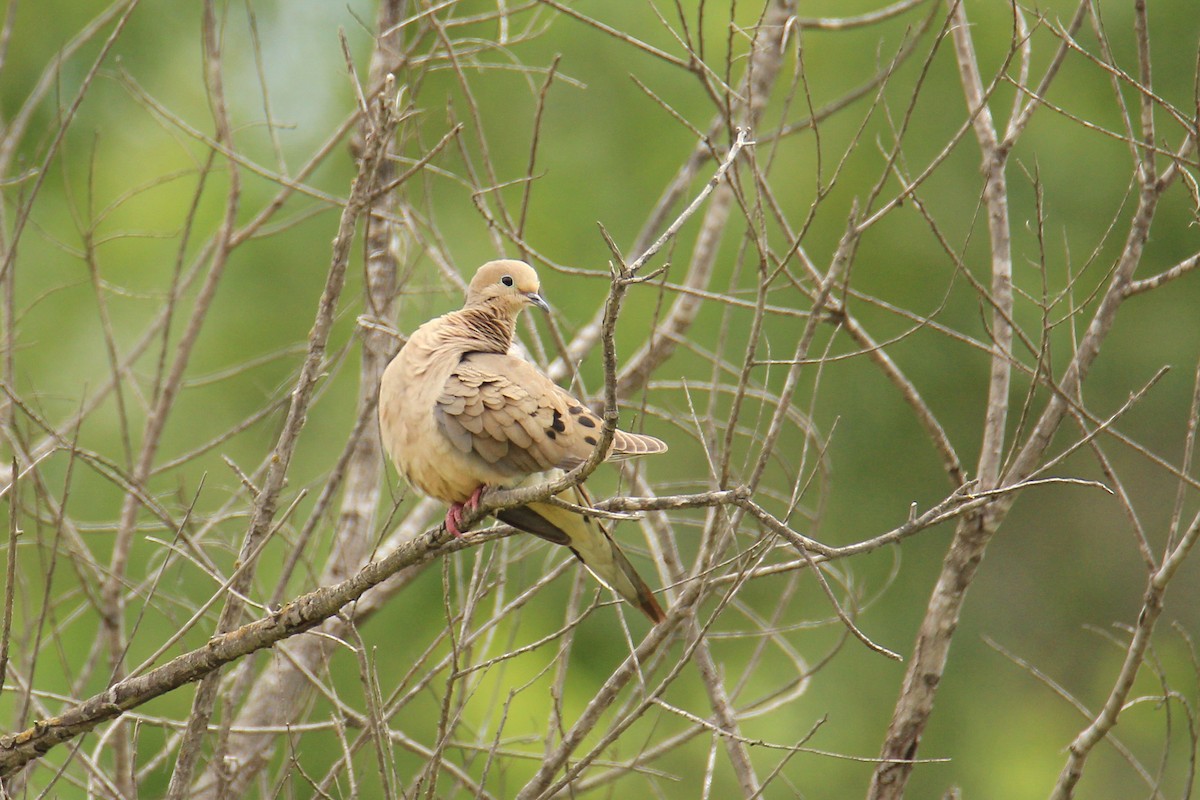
591	543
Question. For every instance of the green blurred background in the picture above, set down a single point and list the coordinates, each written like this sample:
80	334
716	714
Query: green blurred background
1059	581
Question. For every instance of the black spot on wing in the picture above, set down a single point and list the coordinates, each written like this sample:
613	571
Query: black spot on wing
557	426
587	422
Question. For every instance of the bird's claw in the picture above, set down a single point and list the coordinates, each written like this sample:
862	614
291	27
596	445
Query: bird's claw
454	521
454	515
473	501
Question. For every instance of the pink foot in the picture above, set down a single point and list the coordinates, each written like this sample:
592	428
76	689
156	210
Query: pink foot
454	514
454	520
473	501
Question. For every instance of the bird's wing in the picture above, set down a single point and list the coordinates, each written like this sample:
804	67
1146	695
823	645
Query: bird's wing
503	410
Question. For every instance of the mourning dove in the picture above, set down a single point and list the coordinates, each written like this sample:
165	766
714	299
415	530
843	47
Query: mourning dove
458	414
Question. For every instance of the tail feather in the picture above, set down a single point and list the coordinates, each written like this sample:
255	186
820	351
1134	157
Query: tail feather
628	445
591	543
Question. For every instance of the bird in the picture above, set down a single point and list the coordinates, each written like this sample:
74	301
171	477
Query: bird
460	414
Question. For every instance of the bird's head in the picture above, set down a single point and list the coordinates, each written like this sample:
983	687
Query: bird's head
510	284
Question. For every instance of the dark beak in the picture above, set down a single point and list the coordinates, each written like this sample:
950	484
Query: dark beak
536	299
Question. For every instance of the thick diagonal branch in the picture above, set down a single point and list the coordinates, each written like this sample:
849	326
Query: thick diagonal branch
298	616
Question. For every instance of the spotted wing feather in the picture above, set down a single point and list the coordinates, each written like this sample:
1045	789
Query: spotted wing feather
501	409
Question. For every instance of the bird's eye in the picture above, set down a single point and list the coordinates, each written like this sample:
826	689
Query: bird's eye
507	280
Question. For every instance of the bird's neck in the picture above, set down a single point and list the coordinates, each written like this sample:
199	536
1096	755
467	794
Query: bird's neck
487	328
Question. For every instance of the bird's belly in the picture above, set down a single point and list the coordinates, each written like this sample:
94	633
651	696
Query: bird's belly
425	456
434	467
